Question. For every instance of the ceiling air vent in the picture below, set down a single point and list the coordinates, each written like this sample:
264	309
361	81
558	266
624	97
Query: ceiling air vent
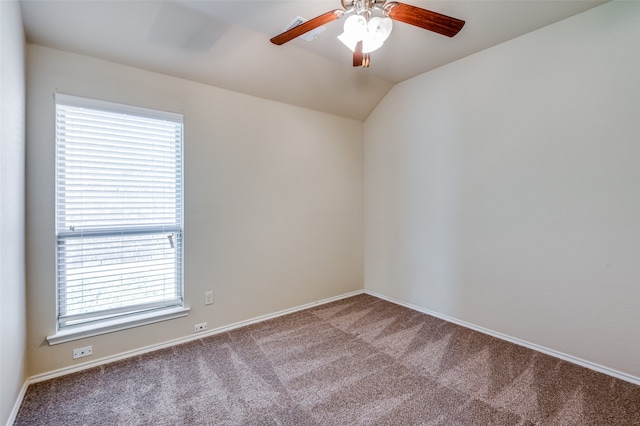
308	36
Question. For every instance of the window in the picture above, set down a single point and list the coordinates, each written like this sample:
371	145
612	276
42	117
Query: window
118	212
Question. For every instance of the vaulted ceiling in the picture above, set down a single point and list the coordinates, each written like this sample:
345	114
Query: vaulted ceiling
225	43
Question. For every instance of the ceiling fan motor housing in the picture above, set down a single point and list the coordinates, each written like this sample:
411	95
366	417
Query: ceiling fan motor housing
365	7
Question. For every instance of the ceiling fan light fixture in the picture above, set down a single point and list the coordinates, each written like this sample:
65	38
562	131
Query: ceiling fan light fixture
364	33
372	34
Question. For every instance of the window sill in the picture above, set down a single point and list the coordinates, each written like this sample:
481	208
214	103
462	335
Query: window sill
81	332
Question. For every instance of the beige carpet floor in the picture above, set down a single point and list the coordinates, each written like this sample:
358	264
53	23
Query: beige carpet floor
358	361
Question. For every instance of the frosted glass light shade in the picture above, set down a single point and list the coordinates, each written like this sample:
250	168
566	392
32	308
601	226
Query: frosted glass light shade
372	34
380	28
355	29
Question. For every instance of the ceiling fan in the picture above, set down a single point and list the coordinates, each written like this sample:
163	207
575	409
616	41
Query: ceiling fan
364	33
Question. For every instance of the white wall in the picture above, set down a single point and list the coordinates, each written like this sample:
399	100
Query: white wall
273	201
504	189
12	263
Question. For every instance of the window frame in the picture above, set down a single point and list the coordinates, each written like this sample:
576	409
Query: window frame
131	317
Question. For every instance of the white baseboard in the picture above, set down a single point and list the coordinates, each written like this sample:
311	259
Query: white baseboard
572	359
128	354
17	404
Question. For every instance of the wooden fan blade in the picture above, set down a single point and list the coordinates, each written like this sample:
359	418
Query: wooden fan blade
423	18
358	56
305	27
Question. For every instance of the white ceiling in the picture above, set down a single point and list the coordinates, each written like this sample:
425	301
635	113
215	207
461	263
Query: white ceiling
225	43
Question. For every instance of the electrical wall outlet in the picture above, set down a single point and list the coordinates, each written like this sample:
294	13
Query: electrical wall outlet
200	327
82	352
208	297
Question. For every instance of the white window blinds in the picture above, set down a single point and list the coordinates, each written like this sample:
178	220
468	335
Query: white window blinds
118	210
